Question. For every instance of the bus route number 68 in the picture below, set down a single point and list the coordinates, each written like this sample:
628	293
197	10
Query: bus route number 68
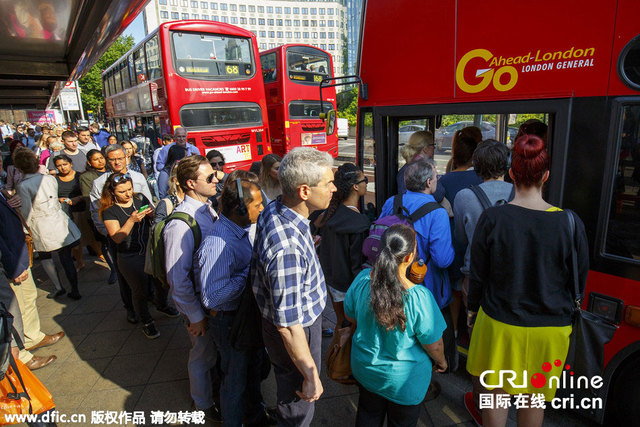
232	69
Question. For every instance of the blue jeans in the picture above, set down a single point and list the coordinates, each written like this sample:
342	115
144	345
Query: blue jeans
240	395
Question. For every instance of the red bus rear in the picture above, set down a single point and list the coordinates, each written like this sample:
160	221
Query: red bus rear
202	75
574	65
292	74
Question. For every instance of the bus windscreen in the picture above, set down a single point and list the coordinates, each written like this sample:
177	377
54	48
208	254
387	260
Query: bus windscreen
307	65
221	115
209	56
307	109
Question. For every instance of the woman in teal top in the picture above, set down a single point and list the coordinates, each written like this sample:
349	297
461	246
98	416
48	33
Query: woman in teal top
398	331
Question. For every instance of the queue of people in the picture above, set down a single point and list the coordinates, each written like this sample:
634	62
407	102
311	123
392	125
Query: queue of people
282	241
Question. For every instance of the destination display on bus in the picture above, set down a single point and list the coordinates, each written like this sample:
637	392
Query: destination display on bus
212	56
307	65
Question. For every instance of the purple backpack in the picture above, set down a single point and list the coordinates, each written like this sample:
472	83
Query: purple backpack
399	215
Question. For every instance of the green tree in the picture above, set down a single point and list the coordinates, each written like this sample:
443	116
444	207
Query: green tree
91	83
348	105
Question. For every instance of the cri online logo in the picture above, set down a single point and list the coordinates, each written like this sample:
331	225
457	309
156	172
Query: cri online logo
488	75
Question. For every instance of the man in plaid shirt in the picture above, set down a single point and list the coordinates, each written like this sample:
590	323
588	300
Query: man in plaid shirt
289	284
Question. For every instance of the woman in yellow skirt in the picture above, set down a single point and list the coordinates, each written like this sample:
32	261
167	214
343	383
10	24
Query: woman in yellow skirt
521	293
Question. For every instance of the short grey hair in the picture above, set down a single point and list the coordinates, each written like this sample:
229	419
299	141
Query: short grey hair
418	173
113	147
302	165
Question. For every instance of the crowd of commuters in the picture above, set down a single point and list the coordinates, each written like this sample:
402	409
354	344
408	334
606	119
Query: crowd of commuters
282	240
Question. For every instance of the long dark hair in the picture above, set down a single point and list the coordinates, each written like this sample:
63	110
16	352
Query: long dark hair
387	292
344	179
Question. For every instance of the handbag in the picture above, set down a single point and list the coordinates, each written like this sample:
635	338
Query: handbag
246	328
590	331
339	356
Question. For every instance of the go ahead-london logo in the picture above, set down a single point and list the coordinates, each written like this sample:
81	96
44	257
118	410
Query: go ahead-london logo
566	381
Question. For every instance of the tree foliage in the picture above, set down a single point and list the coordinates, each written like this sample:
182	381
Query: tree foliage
91	83
348	105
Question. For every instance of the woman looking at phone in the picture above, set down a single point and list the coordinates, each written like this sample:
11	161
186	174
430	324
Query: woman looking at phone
127	218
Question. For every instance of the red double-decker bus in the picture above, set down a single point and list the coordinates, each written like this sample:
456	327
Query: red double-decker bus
292	74
202	75
575	65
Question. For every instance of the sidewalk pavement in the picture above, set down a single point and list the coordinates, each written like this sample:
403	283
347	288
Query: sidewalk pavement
107	364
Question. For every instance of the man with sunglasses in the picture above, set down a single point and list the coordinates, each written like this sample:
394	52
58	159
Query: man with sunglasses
180	137
198	180
117	163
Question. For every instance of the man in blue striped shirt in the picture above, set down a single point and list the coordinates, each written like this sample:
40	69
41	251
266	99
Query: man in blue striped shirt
289	284
221	268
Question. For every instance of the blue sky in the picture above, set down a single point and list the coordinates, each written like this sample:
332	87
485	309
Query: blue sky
136	29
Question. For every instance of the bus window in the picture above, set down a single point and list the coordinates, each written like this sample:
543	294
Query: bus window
269	67
623	227
140	66
223	115
368	162
306	64
212	56
153	58
306	109
118	81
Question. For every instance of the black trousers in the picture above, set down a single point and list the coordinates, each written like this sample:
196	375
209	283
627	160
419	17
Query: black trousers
125	290
373	408
131	266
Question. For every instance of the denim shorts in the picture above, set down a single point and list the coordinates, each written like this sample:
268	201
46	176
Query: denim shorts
338	296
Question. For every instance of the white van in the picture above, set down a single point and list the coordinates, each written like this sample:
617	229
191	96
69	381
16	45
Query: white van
343	128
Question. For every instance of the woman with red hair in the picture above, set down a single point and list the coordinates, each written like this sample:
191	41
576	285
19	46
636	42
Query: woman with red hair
521	289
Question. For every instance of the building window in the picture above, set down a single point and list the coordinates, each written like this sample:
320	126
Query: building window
162	2
272	34
297	34
272	45
314	23
305	10
194	4
260	21
289	34
331	35
185	16
214	6
243	8
322	11
252	21
314	11
323	23
278	10
184	3
287	22
314	35
296	10
260	9
323	35
215	18
332	47
287	10
330	23
243	20
263	45
252	8
305	22
223	6
225	19
270	22
195	16
279	22
174	15
174	2
269	9
233	7
204	5
330	11
263	33
205	16
305	35
323	46
234	20
164	14
296	22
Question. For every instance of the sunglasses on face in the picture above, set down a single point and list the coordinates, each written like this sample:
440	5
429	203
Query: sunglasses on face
125	177
214	164
365	180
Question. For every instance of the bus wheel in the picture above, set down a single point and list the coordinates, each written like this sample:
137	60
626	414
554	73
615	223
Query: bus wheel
623	403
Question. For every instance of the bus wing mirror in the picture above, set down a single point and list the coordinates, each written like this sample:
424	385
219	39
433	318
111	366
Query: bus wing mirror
331	122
